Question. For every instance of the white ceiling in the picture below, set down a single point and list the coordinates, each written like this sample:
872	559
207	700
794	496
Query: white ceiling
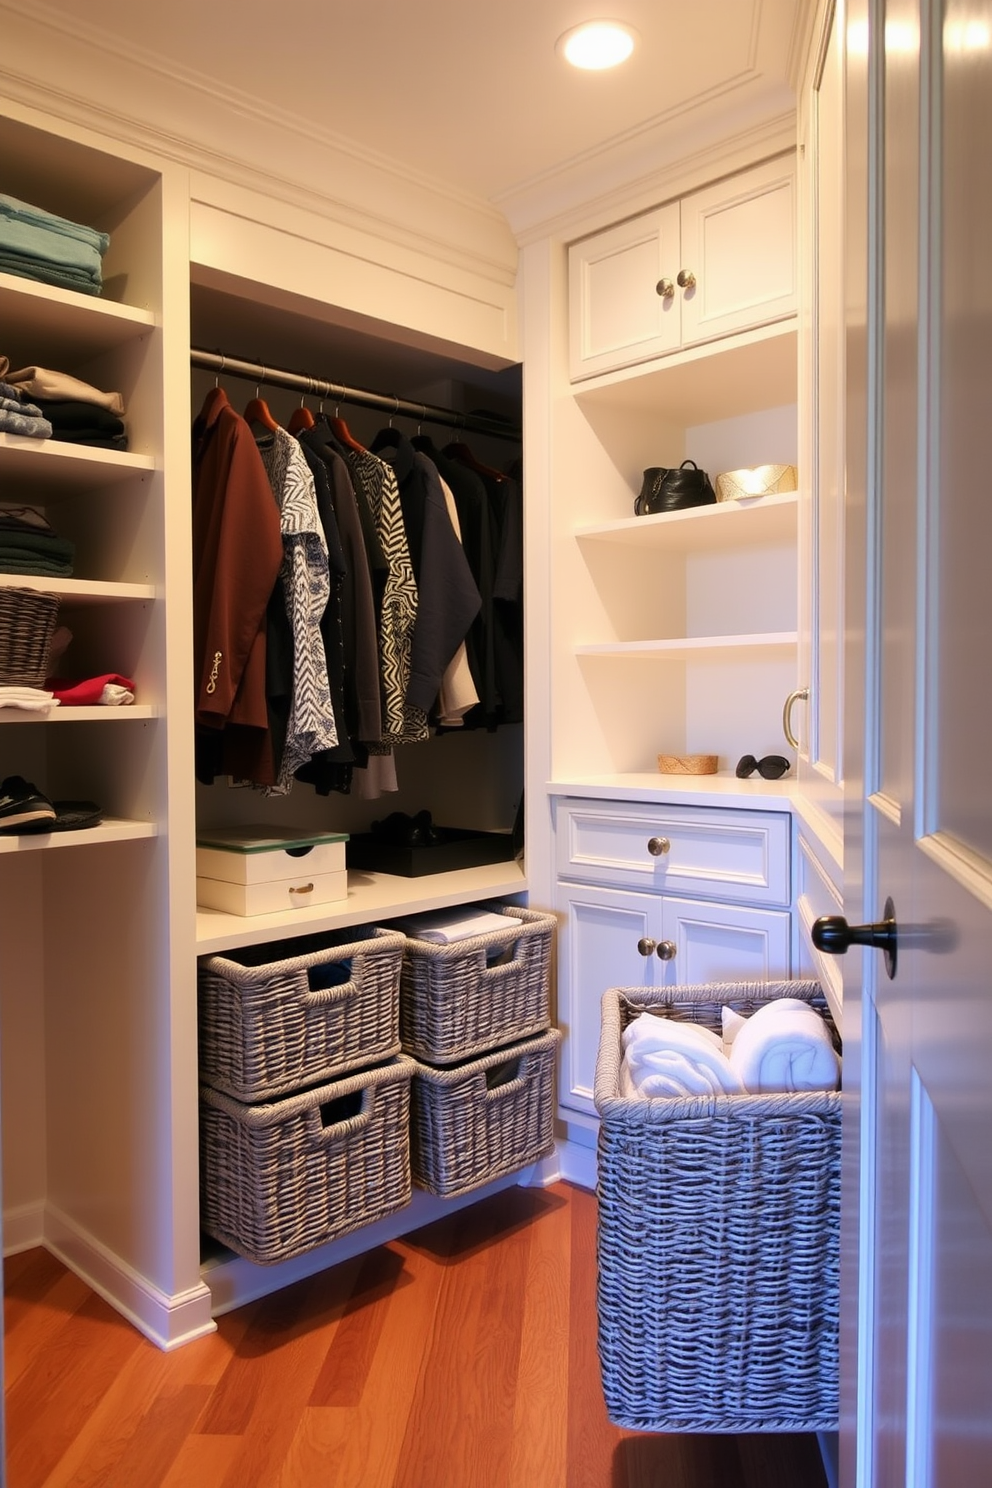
471	94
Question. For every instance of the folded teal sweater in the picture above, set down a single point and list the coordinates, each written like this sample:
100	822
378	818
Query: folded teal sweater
39	236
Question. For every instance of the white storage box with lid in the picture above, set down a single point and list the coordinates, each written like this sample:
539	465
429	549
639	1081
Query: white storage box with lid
261	869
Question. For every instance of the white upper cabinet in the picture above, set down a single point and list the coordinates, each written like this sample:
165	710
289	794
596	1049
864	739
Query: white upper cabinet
721	260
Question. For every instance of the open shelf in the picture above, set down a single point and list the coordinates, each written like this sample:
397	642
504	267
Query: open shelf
99	713
728	524
55	465
372	897
689	648
78	591
109	830
66	323
715	380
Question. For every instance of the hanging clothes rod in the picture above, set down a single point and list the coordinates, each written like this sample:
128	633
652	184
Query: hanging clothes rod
317	387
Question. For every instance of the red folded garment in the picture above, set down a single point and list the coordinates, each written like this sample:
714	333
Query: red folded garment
85	694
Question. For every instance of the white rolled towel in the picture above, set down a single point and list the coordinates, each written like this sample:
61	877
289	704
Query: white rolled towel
663	1057
784	1045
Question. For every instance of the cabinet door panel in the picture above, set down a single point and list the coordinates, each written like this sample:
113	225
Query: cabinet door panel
738	238
617	315
597	951
720	943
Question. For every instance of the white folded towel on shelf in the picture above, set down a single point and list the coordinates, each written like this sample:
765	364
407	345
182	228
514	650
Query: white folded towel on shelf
663	1057
784	1045
445	926
31	699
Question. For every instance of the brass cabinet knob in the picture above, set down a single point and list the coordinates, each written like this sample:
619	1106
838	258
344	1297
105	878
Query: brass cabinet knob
658	846
687	279
646	947
665	288
667	950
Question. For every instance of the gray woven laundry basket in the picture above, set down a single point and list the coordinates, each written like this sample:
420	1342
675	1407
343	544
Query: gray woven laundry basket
718	1239
276	1017
472	995
280	1179
485	1118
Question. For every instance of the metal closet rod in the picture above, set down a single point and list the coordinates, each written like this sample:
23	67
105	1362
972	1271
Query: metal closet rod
317	387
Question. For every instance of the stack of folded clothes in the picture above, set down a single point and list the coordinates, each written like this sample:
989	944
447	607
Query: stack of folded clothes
38	245
76	422
29	545
65	408
18	417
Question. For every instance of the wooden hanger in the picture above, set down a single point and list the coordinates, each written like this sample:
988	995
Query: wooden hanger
257	412
464	456
340	429
300	419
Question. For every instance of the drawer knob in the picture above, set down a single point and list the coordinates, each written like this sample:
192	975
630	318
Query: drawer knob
646	947
658	846
687	279
667	950
665	288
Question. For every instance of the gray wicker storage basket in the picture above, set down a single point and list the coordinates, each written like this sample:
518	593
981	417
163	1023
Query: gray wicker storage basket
277	1017
718	1241
465	998
280	1179
27	624
483	1119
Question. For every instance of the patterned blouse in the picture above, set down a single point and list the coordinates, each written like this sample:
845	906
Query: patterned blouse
402	723
306	584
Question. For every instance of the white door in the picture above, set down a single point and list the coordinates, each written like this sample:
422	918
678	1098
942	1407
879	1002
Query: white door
917	1404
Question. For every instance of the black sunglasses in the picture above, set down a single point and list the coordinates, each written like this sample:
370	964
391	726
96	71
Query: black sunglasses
772	767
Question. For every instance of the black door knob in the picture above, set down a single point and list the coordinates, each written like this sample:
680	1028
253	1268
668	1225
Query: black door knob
833	935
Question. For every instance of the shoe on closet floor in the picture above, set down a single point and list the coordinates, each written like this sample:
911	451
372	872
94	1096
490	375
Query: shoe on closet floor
22	803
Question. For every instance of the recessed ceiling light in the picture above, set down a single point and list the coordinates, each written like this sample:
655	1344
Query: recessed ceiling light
596	45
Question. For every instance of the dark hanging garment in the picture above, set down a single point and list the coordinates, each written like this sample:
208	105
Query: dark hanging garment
359	615
506	530
448	597
472	505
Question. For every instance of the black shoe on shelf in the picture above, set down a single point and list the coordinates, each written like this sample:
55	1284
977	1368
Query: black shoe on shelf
22	803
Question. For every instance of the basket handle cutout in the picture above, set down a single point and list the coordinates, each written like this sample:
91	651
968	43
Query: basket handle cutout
501	1075
500	956
342	1116
329	974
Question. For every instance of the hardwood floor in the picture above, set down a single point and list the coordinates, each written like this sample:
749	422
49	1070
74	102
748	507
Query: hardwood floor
463	1356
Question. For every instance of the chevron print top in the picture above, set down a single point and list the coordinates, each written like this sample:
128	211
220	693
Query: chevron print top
401	723
306	584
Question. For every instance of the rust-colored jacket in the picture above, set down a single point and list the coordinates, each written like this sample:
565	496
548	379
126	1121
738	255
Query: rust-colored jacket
237	554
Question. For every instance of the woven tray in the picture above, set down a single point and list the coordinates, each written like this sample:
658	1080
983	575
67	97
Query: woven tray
718	1241
483	1119
469	997
27	624
280	1179
268	1025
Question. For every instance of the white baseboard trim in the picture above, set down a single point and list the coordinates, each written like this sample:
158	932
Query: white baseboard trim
168	1320
577	1164
23	1228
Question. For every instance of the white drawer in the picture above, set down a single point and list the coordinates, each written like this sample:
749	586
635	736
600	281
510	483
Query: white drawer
714	854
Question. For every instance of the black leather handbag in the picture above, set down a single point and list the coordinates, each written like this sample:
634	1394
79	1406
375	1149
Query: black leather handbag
672	490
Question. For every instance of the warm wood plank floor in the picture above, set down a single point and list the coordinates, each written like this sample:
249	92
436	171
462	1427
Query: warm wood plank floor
463	1356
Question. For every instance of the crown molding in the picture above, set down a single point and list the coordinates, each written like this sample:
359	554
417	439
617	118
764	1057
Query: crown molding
653	177
72	73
